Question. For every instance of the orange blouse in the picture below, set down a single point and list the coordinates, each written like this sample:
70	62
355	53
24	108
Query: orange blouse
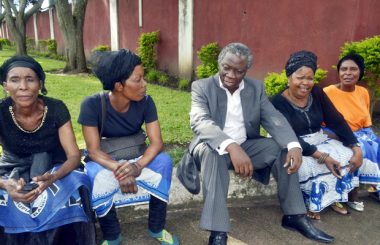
354	106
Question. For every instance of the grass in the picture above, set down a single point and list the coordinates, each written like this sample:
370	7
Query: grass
173	106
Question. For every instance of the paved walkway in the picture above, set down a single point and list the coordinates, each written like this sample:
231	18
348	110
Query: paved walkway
257	222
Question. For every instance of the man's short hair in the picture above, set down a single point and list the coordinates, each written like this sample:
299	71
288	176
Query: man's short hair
238	49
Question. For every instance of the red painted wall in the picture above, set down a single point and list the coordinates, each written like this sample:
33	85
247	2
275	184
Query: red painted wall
96	30
159	15
43	21
274	29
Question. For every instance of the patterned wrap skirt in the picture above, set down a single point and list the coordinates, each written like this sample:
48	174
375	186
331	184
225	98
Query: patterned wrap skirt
370	145
320	188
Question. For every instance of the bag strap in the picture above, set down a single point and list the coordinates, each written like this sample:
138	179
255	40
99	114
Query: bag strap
103	109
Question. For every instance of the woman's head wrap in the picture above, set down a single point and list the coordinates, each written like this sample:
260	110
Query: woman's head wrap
114	66
358	59
23	61
299	59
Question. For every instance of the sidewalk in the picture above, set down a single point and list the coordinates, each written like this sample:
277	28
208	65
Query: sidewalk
256	221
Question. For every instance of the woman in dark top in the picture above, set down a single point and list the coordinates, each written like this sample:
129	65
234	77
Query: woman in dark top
328	171
146	178
38	188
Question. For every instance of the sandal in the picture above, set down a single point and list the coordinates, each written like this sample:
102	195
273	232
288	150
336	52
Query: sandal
117	241
371	189
339	208
313	215
358	206
164	237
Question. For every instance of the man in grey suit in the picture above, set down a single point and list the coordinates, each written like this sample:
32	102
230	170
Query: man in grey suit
226	113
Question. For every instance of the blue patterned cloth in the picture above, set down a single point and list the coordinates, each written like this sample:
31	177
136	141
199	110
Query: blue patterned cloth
370	145
58	205
155	179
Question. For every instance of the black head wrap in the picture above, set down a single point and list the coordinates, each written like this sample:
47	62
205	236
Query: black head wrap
358	59
299	59
114	66
23	61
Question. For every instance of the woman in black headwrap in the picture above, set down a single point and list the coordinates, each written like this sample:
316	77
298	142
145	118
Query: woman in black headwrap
329	167
39	191
121	182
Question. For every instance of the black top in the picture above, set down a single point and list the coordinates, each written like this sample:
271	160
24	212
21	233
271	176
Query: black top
309	119
46	139
117	124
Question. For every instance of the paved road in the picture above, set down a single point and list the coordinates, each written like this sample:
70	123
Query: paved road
257	222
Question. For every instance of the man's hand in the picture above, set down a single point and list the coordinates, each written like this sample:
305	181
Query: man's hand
240	160
128	185
293	160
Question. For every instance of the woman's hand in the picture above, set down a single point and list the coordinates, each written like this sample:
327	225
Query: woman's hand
333	166
44	181
128	185
356	160
14	189
126	169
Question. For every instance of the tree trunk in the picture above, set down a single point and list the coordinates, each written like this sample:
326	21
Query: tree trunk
71	21
16	19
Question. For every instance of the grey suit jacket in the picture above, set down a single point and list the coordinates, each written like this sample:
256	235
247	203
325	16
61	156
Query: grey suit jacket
209	108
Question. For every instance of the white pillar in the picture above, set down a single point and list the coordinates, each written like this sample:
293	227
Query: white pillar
140	14
185	38
114	25
35	30
51	23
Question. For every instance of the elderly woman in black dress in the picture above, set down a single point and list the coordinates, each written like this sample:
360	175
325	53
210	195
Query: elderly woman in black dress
329	167
39	186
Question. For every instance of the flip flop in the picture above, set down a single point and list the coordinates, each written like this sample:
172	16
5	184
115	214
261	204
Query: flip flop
358	206
339	208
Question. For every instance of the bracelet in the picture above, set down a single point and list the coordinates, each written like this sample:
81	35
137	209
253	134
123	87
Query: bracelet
322	158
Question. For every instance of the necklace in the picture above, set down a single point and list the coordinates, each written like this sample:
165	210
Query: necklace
27	131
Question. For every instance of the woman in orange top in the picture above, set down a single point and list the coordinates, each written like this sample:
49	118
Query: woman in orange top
353	102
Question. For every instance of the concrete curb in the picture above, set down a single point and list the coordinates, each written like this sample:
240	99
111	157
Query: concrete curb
239	188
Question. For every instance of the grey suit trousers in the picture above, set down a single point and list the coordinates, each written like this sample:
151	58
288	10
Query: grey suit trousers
265	154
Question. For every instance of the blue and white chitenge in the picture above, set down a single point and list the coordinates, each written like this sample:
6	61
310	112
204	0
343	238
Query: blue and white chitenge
155	179
58	205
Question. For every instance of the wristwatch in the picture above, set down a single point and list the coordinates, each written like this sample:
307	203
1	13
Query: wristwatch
353	145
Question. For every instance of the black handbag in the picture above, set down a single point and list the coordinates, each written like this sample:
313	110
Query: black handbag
121	148
188	173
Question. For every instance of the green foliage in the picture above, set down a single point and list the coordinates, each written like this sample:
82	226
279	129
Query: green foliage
5	42
163	79
152	75
208	55
52	46
147	50
184	84
275	83
101	48
369	48
30	44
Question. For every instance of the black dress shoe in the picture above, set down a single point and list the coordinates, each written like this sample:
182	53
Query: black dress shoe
304	226
219	238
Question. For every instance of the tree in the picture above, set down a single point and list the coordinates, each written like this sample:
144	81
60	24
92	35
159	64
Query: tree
369	48
71	21
16	16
